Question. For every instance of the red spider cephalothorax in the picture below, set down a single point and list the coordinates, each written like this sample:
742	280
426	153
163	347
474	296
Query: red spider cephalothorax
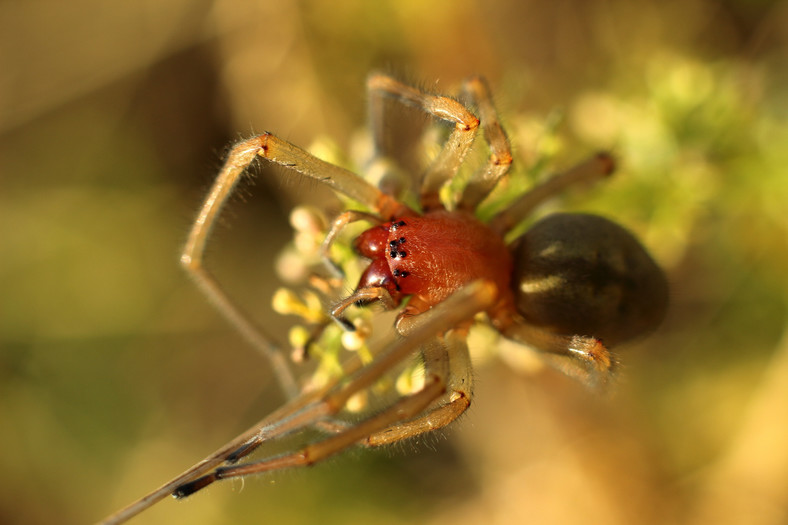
432	256
571	286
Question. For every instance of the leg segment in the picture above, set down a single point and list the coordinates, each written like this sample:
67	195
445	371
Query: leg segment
405	408
583	357
591	170
214	460
451	156
477	90
392	424
451	358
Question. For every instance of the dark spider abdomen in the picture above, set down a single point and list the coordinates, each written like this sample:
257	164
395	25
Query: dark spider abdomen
580	274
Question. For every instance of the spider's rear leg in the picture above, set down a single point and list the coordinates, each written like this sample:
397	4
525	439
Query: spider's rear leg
582	357
580	280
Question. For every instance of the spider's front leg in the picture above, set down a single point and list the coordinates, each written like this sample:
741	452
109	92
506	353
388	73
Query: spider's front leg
241	156
450	355
447	368
312	408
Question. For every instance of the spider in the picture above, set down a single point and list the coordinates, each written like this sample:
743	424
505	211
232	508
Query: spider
570	287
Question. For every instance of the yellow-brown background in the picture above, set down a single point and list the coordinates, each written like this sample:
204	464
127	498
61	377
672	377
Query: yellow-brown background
115	374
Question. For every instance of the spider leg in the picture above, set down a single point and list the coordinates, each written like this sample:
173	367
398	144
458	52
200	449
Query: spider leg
460	307
407	407
482	182
240	157
582	357
242	442
447	369
298	413
459	142
451	354
588	171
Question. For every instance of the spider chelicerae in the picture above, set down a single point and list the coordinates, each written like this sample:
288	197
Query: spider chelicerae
570	287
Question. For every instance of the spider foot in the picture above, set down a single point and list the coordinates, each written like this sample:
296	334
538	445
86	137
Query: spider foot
187	489
591	350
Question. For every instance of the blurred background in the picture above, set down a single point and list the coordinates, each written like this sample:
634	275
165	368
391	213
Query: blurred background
115	374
